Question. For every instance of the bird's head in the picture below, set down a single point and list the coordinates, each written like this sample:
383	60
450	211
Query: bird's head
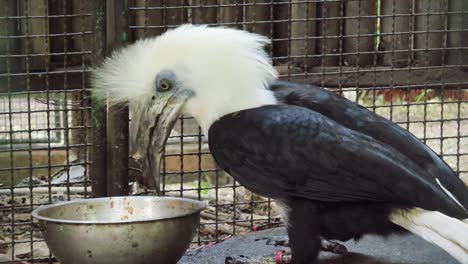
206	72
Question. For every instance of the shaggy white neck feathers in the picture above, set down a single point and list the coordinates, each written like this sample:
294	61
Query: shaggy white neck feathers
227	69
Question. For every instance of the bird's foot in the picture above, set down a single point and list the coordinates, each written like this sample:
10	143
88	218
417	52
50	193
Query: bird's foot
278	241
326	245
334	247
241	259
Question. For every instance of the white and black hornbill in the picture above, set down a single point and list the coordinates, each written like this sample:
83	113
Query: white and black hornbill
338	170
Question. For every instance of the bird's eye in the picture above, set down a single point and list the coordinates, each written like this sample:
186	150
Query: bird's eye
164	85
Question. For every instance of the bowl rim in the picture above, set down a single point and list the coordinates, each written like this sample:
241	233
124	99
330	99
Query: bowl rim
200	206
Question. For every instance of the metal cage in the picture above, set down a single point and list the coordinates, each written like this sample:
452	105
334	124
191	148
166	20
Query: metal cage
405	60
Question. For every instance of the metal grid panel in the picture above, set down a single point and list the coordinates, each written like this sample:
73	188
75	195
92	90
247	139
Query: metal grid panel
402	59
406	60
44	116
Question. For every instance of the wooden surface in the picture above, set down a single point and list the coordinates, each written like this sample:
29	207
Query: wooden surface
459	37
395	27
361	21
202	14
37	27
257	17
8	45
281	13
85	24
303	31
383	77
230	13
330	29
432	39
147	19
175	16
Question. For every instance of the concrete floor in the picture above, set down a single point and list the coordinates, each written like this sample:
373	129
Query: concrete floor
406	249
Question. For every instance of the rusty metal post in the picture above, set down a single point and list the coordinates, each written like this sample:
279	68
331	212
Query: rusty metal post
98	169
117	115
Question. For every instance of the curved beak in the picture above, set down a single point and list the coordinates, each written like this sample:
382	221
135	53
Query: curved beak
152	120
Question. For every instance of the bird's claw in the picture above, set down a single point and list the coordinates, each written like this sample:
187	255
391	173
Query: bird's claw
326	245
278	241
241	259
334	247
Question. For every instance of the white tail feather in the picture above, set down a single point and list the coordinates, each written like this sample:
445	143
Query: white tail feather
446	232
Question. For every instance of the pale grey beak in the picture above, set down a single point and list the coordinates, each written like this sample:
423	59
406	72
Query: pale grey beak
152	122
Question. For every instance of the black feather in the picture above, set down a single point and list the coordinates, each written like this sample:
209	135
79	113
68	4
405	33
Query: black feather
340	168
358	118
284	151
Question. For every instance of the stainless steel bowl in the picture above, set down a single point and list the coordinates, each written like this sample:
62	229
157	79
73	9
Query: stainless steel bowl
118	230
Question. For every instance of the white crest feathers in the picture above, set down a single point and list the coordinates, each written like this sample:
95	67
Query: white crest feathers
222	54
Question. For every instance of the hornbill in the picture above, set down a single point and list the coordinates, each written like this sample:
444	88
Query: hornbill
337	170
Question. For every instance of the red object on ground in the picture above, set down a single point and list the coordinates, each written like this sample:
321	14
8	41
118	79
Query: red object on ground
279	256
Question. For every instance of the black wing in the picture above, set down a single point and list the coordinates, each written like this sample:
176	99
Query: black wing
281	151
358	118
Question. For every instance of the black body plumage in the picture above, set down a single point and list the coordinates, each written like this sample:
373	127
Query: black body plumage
340	168
358	118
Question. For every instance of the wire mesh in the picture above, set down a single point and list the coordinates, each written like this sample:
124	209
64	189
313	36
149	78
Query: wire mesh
44	116
405	60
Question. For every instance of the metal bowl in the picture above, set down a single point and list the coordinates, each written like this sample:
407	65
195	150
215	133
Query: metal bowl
143	229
